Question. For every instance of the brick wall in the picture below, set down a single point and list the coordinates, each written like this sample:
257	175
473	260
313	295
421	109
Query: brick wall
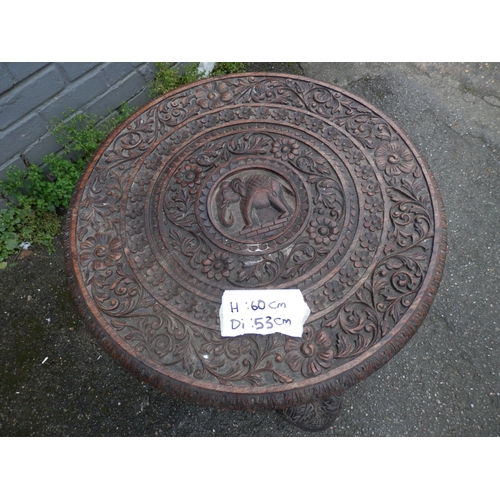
31	94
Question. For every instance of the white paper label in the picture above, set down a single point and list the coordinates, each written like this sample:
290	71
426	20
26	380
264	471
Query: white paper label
263	312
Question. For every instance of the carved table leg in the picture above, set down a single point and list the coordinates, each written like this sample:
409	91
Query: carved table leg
316	416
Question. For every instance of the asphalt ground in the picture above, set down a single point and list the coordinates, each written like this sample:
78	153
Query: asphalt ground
57	381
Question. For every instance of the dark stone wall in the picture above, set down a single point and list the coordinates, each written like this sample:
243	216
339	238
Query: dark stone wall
31	94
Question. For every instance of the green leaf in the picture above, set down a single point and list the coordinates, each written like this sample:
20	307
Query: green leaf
11	244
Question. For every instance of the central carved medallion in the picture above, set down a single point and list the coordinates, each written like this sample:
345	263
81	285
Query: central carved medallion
252	205
255	193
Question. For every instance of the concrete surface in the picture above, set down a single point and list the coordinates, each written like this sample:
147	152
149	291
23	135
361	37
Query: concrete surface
57	381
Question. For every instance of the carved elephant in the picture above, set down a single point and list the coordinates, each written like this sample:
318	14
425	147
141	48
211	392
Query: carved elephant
255	192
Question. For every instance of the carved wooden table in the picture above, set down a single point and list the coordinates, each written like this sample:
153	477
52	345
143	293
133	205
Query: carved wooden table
256	181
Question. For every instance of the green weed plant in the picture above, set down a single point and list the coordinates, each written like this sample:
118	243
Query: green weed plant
170	77
36	197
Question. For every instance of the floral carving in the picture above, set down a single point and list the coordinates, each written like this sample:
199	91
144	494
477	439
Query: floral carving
374	204
343	143
189	175
363	171
330	133
205	311
298	118
210	120
394	159
286	149
155	275
179	137
153	162
217	265
398	276
373	222
100	251
314	124
348	274
361	258
136	210
186	302
355	157
244	112
263	271
335	290
213	95
143	261
227	115
135	226
279	114
369	241
323	230
370	187
311	354
262	113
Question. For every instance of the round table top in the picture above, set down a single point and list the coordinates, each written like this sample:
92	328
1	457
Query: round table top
255	181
